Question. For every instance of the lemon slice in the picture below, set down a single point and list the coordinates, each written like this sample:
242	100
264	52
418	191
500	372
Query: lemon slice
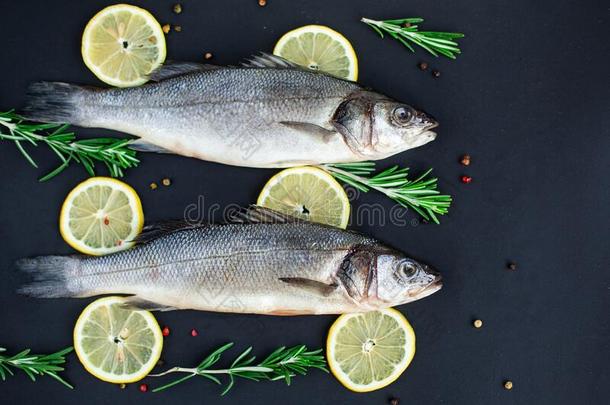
369	351
122	45
319	48
100	216
116	344
308	193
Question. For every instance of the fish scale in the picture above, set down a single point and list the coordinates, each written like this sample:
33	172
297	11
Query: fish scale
274	116
288	268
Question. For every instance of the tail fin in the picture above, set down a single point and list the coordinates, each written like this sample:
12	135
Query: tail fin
53	102
53	276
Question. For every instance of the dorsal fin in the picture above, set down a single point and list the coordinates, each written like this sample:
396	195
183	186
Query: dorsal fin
267	60
255	214
175	69
162	228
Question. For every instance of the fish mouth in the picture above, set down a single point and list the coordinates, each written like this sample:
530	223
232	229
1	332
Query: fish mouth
429	289
428	133
435	285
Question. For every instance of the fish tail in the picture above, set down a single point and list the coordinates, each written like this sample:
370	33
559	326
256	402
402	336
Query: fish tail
54	102
52	277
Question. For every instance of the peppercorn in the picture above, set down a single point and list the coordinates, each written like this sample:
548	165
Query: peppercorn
143	387
508	384
165	331
477	323
166	182
166	28
208	55
177	28
194	332
423	66
465	160
466	179
394	401
262	3
436	74
153	186
177	8
512	266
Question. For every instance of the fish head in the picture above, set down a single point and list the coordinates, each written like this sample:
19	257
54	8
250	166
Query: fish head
375	126
401	279
378	277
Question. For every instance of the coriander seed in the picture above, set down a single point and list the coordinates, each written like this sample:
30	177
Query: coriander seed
477	323
166	182
177	8
208	55
262	3
508	385
465	160
153	186
166	28
177	28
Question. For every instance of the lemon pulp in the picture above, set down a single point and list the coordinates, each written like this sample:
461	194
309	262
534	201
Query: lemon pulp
122	45
369	351
101	215
308	193
319	48
116	344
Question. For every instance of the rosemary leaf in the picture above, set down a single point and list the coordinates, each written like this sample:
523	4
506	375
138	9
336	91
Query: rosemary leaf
34	365
281	364
114	153
404	30
420	194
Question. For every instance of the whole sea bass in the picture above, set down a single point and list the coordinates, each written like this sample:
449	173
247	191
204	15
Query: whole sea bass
267	113
262	262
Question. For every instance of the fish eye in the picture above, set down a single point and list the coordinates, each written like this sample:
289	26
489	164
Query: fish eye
408	269
403	114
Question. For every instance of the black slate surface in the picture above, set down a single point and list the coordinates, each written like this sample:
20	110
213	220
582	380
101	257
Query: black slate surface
528	99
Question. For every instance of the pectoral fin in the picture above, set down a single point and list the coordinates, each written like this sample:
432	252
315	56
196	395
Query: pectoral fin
311	286
311	129
143	146
135	302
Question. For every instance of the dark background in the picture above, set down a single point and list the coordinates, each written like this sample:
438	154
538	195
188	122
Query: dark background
528	99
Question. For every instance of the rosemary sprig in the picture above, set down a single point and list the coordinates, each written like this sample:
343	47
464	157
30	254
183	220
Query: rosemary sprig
283	364
420	194
114	153
406	29
34	364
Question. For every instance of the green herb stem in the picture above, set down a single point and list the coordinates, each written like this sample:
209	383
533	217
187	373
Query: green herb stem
420	194
34	364
405	30
283	364
114	153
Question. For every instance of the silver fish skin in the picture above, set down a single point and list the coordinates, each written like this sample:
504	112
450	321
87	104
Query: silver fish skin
286	268
268	114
